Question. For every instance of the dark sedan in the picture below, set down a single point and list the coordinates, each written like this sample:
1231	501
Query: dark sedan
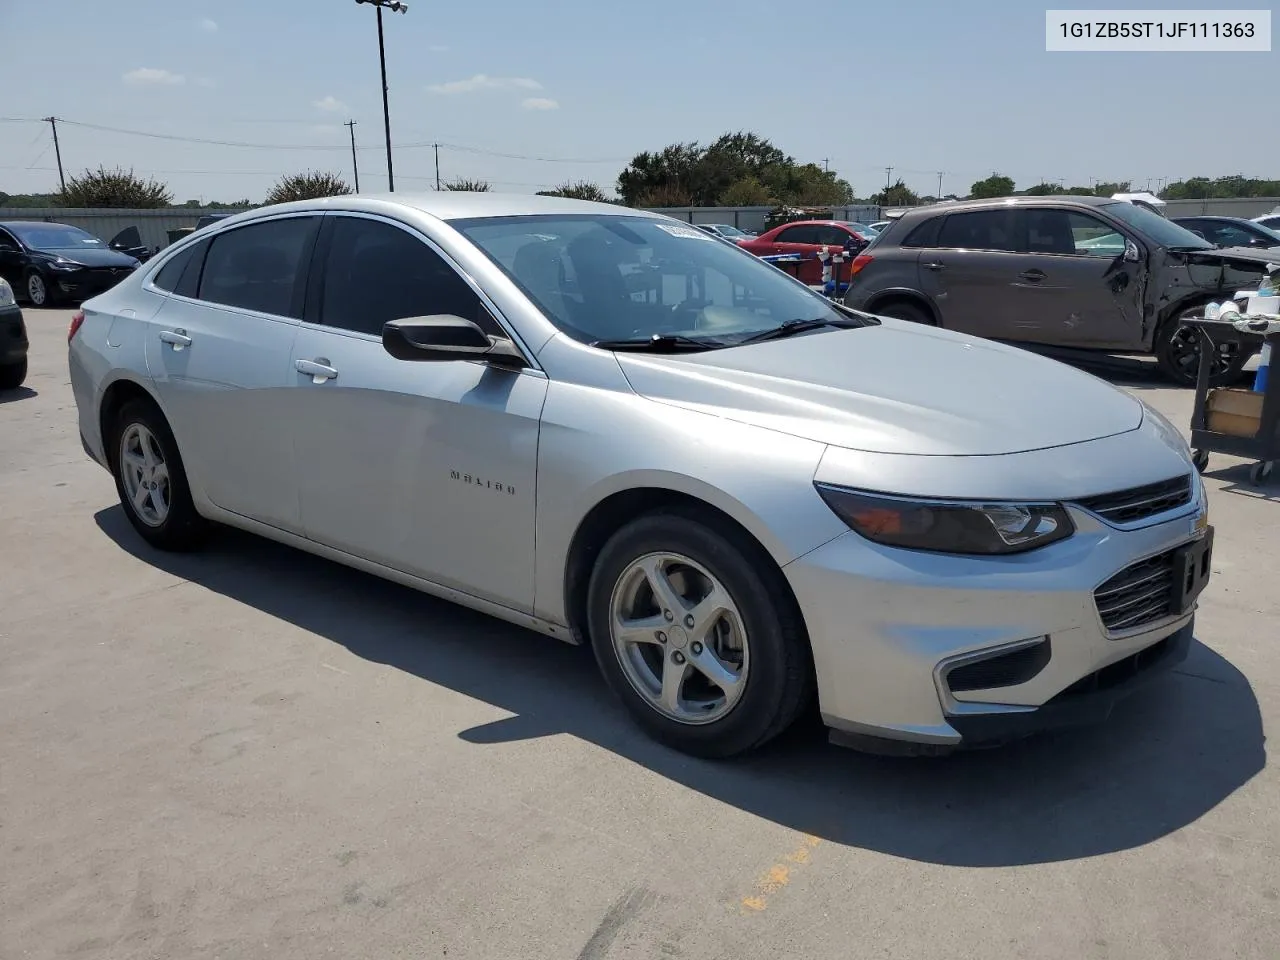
50	262
1230	231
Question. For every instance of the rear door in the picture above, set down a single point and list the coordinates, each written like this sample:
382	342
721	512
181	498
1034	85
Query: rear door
970	270
425	467
1074	287
220	352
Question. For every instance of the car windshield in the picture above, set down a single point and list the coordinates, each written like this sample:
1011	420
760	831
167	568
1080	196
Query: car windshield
1155	227
618	277
728	231
864	228
53	236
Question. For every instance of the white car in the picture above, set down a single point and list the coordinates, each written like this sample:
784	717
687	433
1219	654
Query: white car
610	427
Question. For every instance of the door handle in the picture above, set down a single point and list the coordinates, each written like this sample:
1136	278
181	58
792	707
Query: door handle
1032	276
175	338
318	370
934	265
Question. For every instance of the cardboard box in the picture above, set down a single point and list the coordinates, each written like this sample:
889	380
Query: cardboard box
1235	411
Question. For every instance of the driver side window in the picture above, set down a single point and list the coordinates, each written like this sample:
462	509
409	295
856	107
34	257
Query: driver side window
375	272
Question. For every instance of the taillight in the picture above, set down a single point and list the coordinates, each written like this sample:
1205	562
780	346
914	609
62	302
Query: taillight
860	261
77	318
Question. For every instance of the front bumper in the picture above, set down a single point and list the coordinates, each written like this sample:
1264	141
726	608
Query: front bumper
13	335
887	626
83	284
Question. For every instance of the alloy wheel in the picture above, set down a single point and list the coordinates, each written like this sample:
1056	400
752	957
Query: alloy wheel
37	290
145	474
679	638
1183	352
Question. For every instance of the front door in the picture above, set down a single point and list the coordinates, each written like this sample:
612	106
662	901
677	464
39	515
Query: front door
221	363
1074	287
425	467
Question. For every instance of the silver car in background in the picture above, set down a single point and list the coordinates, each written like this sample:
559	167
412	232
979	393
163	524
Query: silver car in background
610	427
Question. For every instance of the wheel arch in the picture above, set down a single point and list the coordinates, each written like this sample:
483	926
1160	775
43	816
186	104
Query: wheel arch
614	510
118	393
903	295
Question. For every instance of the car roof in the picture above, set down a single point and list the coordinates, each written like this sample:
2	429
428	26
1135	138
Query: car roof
24	223
994	203
450	205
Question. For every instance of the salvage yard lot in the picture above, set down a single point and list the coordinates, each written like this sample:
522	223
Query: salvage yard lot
252	753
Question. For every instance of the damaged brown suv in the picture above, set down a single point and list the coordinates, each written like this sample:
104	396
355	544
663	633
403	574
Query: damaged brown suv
1084	273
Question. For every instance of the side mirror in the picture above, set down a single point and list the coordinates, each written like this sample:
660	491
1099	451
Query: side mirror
446	337
1131	254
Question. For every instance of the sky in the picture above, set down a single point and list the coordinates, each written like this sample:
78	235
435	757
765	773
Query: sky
531	95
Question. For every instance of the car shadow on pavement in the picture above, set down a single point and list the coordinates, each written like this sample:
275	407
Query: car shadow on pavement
20	393
1168	755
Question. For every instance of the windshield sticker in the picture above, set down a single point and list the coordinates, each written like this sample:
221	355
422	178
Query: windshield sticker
689	233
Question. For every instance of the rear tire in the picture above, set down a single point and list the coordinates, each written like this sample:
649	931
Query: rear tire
770	657
151	480
1177	354
13	375
905	310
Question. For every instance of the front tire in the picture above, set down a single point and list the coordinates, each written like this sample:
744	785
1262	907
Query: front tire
696	633
13	375
1177	350
39	292
151	480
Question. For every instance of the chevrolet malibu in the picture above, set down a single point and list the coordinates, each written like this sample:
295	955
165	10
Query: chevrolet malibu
609	427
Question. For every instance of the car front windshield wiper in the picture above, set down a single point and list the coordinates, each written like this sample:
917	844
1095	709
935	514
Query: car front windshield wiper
790	328
661	343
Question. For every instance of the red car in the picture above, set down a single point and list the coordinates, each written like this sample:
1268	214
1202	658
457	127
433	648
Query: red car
807	238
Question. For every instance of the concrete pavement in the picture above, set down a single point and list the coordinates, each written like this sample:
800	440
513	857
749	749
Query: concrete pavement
252	753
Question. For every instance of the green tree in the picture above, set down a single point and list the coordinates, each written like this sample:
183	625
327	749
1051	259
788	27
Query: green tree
1044	190
1204	188
28	201
747	192
898	195
580	190
467	185
996	185
671	172
1080	191
1107	189
114	188
307	186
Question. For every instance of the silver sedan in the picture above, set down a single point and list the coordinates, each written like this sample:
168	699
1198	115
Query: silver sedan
610	427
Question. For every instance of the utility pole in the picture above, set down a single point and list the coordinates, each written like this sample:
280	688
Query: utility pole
888	172
57	151
355	165
940	172
436	146
396	6
826	165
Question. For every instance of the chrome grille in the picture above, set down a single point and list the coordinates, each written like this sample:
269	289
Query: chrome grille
1138	503
1139	594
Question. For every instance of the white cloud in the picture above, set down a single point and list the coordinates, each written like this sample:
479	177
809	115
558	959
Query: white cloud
208	26
154	75
540	103
483	81
329	104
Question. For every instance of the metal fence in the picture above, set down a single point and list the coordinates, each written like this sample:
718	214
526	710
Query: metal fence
154	225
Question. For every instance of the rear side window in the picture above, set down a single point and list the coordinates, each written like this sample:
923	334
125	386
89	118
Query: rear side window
806	234
833	236
169	276
260	266
375	272
925	234
980	230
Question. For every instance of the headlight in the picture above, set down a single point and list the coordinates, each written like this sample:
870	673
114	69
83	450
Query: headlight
6	294
949	526
66	265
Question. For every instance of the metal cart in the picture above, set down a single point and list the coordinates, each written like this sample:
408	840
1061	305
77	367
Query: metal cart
1264	446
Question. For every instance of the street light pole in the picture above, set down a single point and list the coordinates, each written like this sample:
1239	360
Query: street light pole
396	6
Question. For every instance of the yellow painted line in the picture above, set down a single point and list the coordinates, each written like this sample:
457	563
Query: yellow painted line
779	875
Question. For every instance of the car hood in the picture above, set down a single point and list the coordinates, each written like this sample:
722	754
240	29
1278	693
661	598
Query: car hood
1253	257
92	256
893	388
